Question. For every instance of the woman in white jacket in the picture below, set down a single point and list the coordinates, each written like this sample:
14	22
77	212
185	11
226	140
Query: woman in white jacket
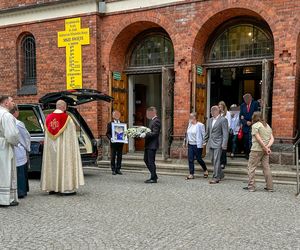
194	141
21	154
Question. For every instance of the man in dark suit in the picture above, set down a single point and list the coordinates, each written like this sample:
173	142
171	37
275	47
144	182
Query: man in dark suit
248	107
116	148
216	138
151	143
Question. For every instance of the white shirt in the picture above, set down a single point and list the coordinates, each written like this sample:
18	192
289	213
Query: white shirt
191	134
23	146
235	124
195	134
228	117
214	121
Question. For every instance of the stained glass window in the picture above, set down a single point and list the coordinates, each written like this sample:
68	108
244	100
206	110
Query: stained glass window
154	50
242	42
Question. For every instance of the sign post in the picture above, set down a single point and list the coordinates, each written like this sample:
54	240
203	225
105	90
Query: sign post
199	70
73	38
117	76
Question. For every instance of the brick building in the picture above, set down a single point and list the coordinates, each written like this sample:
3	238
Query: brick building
179	55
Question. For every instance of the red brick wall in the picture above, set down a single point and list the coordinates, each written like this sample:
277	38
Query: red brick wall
189	27
7	4
50	62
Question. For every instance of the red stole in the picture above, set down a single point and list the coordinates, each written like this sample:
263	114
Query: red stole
56	124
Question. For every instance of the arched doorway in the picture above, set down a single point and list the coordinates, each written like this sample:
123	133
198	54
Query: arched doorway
148	80
238	60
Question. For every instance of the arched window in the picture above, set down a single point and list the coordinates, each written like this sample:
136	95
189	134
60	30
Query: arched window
244	41
27	61
153	50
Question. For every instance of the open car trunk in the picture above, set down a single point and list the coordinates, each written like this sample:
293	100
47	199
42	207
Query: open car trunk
33	116
74	98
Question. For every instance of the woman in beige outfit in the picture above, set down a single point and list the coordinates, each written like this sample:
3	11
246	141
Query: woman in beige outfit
262	140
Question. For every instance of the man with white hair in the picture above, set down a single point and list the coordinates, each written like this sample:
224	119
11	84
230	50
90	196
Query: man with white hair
62	167
9	137
216	138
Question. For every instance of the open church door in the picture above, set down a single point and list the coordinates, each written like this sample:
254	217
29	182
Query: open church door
168	79
267	89
199	92
118	87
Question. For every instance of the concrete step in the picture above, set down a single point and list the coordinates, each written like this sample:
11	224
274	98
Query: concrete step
231	172
139	157
237	162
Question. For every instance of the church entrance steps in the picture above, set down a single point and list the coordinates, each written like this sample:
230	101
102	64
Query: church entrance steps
236	169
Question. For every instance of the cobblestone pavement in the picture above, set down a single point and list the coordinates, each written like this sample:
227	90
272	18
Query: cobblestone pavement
121	212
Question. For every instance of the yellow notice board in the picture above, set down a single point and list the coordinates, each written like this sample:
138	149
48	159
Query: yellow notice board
73	38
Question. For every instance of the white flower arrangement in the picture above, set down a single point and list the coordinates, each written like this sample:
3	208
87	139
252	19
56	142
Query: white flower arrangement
135	132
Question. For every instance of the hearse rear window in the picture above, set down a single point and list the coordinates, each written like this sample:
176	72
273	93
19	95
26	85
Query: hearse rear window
31	121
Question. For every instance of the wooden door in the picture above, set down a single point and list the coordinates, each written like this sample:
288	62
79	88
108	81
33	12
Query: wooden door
167	95
199	92
119	91
267	89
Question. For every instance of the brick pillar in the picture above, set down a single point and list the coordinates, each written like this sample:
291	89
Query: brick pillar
181	106
284	101
284	112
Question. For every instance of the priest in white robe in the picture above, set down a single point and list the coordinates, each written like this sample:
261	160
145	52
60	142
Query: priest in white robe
9	137
62	167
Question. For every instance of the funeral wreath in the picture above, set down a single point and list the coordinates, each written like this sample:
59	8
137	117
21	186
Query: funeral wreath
135	132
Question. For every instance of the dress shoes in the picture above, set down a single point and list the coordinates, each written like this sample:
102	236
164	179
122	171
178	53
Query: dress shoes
52	192
214	182
150	181
14	203
119	172
114	172
68	193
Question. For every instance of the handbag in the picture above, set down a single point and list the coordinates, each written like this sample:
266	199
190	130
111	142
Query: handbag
240	133
203	151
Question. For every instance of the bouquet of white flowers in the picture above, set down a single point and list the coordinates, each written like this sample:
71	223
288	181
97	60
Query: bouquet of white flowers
135	132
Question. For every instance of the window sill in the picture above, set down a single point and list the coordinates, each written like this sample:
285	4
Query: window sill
27	90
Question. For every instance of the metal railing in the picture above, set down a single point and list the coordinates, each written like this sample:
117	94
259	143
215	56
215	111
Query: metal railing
296	148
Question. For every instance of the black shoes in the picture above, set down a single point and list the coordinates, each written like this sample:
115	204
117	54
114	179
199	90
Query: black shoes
68	194
62	194
119	172
14	203
150	181
214	182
